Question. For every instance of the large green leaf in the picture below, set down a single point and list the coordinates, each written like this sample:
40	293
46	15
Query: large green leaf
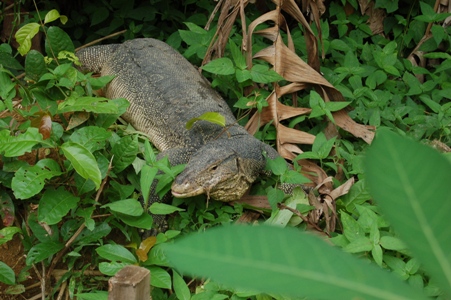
57	40
90	104
130	207
92	138
18	145
220	66
116	253
124	151
24	36
411	184
29	180
35	65
55	204
7	274
283	261
83	161
42	251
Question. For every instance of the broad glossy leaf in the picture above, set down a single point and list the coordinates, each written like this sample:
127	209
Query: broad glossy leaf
220	66
98	105
283	261
7	274
410	183
180	288
57	40
116	253
24	35
97	295
88	235
42	251
158	208
111	268
35	65
146	179
29	180
55	204
83	161
144	221
262	74
7	234
92	138
124	151
130	207
18	145
160	278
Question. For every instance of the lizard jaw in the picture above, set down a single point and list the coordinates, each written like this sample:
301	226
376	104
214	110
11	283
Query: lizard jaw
184	191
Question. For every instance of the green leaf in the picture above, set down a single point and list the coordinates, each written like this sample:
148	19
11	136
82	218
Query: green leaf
51	16
12	146
92	138
57	40
277	166
7	274
392	243
294	177
124	151
7	234
89	236
275	196
361	244
29	180
158	208
321	146
144	221
100	82
180	288
130	207
336	105
146	179
220	66
160	278
8	61
398	170
111	268
83	161
24	36
262	74
116	253
283	261
212	117
97	295
55	204
351	229
42	251
238	57
35	65
98	105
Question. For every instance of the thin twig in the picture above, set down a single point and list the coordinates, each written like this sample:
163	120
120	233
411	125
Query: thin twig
101	39
82	226
43	281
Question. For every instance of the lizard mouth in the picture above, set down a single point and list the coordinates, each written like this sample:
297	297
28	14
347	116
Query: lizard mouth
182	191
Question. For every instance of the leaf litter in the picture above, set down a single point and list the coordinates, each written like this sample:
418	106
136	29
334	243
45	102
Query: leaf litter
301	76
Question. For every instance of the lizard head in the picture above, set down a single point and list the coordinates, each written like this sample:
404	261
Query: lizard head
217	171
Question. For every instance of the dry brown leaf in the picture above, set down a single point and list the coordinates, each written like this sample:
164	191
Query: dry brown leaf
364	132
45	126
77	119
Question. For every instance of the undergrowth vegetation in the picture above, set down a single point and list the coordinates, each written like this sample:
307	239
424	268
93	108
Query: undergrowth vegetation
73	174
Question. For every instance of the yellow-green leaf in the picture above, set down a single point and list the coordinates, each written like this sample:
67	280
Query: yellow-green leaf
212	117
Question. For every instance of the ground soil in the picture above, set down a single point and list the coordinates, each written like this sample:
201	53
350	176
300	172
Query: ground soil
12	254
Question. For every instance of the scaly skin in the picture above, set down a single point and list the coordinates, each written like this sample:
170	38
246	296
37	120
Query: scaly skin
165	91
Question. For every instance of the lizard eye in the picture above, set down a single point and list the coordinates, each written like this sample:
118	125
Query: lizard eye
214	167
